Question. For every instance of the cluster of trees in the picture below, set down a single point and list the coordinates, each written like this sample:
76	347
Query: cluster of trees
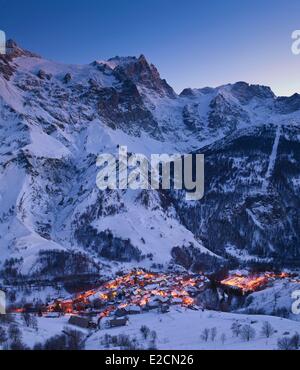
11	337
30	321
3	336
150	335
10	269
125	342
122	341
289	343
211	335
276	264
106	245
69	340
247	332
193	259
61	263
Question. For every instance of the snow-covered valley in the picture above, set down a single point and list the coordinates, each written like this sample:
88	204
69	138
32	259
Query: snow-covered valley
60	235
191	325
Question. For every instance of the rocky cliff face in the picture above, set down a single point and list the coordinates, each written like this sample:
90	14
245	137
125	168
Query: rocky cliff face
251	203
54	121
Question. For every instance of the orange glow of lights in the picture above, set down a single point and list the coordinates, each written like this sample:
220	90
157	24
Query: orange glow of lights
188	301
246	283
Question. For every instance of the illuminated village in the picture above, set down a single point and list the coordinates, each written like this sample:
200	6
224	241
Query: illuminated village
134	293
138	299
139	291
252	283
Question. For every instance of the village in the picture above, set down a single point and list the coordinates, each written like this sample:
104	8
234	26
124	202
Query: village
250	283
134	293
139	291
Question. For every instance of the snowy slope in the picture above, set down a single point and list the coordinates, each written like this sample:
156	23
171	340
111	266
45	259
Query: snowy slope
54	121
190	325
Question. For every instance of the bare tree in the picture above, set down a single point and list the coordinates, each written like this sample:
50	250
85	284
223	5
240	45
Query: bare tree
3	336
34	323
223	338
296	340
285	344
30	321
7	319
145	331
58	342
38	347
26	319
267	329
18	345
205	335
247	333
153	338
75	339
236	328
213	334
14	333
276	296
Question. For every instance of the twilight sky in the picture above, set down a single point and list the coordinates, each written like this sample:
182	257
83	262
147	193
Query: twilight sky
194	43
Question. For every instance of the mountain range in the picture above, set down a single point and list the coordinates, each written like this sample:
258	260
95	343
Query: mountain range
56	118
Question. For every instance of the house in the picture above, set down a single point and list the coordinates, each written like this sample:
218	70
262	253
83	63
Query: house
177	300
81	322
120	312
152	305
118	322
133	310
66	306
164	308
161	299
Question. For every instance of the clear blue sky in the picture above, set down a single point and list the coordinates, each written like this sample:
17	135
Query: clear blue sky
194	43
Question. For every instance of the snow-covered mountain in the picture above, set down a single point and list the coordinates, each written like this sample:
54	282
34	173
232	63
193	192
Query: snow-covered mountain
54	121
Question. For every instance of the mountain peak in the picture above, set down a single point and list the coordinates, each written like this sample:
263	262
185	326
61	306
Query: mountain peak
141	72
245	91
13	50
142	58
